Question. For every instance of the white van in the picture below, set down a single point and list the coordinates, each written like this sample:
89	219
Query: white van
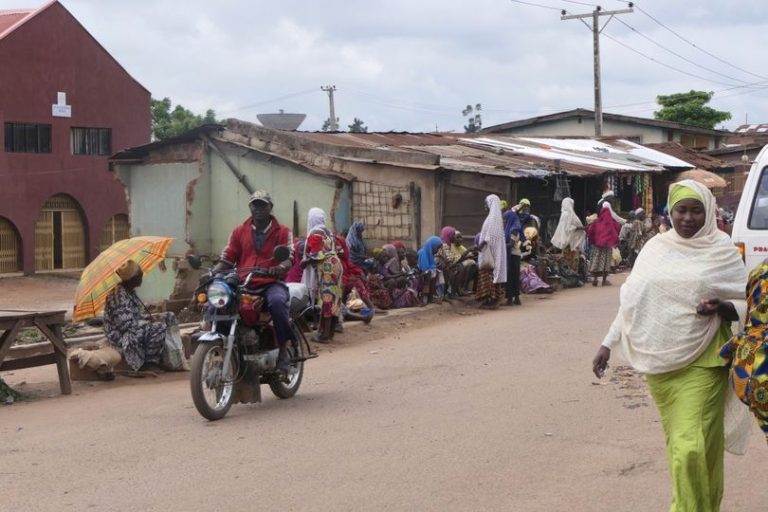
750	226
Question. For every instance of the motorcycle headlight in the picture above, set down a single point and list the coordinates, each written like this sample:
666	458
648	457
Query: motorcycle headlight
219	294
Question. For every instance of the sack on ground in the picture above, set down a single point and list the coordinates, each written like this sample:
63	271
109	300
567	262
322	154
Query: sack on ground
173	355
102	359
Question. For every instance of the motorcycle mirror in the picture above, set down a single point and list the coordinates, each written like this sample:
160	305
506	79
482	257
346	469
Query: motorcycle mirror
281	253
194	261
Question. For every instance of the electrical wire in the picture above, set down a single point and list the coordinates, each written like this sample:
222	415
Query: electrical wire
537	5
673	68
734	66
580	3
273	100
678	55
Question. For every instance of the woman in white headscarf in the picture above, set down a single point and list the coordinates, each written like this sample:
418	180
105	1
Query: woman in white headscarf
492	258
569	235
323	273
675	312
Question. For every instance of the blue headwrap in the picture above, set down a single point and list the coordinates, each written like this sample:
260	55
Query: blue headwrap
426	253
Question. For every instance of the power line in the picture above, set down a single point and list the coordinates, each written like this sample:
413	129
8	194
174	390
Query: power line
677	54
581	3
673	68
273	100
537	5
734	66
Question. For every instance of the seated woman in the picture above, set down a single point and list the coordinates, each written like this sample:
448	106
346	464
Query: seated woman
353	278
530	282
356	245
432	282
449	261
140	337
402	287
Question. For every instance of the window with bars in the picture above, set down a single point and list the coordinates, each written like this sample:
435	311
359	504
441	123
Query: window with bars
92	141
27	138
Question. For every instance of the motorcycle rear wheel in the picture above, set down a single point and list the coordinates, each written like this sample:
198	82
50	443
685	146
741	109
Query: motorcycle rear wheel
283	389
211	394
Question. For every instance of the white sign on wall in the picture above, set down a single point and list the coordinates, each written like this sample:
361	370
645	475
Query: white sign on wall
60	108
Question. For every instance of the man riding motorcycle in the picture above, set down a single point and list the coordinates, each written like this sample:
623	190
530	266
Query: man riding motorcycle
251	245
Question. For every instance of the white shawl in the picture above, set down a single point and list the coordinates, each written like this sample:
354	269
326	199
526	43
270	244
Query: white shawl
568	233
492	233
657	326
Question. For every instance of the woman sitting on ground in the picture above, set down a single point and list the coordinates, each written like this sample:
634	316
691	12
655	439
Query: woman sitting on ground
140	337
402	287
432	281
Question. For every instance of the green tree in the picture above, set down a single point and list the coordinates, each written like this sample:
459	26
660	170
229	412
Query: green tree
474	120
358	126
327	125
690	108
167	122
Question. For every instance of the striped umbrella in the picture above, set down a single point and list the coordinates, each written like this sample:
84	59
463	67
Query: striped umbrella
99	277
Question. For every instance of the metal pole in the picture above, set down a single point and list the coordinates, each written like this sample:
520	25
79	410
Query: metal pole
596	50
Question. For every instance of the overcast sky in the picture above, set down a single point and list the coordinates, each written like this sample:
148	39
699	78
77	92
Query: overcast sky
412	65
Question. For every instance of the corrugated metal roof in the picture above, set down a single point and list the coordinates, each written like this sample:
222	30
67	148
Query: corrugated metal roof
697	158
514	156
498	155
753	129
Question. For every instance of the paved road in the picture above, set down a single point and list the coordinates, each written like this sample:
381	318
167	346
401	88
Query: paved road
493	411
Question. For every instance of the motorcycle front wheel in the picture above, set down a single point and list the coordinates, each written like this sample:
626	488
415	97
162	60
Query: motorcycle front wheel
280	387
212	393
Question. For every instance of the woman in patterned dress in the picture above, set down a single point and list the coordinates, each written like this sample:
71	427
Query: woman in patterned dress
492	259
138	336
323	273
747	353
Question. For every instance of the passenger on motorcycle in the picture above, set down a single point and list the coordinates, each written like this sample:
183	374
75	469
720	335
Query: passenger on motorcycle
251	245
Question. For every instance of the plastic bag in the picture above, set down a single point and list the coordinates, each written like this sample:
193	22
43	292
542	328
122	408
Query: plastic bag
173	355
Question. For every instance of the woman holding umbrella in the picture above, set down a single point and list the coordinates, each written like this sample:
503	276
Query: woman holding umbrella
139	337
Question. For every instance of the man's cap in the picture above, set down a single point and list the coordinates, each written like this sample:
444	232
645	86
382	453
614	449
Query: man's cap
260	195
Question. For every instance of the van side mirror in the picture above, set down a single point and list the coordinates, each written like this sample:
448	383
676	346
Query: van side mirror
281	253
194	261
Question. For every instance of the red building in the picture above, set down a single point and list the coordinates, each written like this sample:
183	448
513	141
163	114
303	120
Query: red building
66	105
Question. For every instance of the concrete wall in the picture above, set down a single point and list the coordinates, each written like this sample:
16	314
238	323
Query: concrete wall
285	182
200	202
425	179
158	206
586	128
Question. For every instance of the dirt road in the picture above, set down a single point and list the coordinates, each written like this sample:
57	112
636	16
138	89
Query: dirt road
494	411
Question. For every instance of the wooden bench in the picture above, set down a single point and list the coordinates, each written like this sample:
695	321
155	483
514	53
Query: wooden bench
47	322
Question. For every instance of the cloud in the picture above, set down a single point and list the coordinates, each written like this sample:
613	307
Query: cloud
404	65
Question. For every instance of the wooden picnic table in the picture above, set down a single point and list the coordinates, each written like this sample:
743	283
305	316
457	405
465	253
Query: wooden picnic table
47	322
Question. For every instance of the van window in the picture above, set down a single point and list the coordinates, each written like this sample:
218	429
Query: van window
758	217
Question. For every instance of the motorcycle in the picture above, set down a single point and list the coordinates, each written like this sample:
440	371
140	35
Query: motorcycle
239	351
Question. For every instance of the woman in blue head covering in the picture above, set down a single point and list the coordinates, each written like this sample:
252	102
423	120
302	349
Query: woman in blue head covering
433	277
357	250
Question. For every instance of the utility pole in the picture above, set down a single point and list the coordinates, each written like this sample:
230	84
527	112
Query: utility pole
596	29
330	89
